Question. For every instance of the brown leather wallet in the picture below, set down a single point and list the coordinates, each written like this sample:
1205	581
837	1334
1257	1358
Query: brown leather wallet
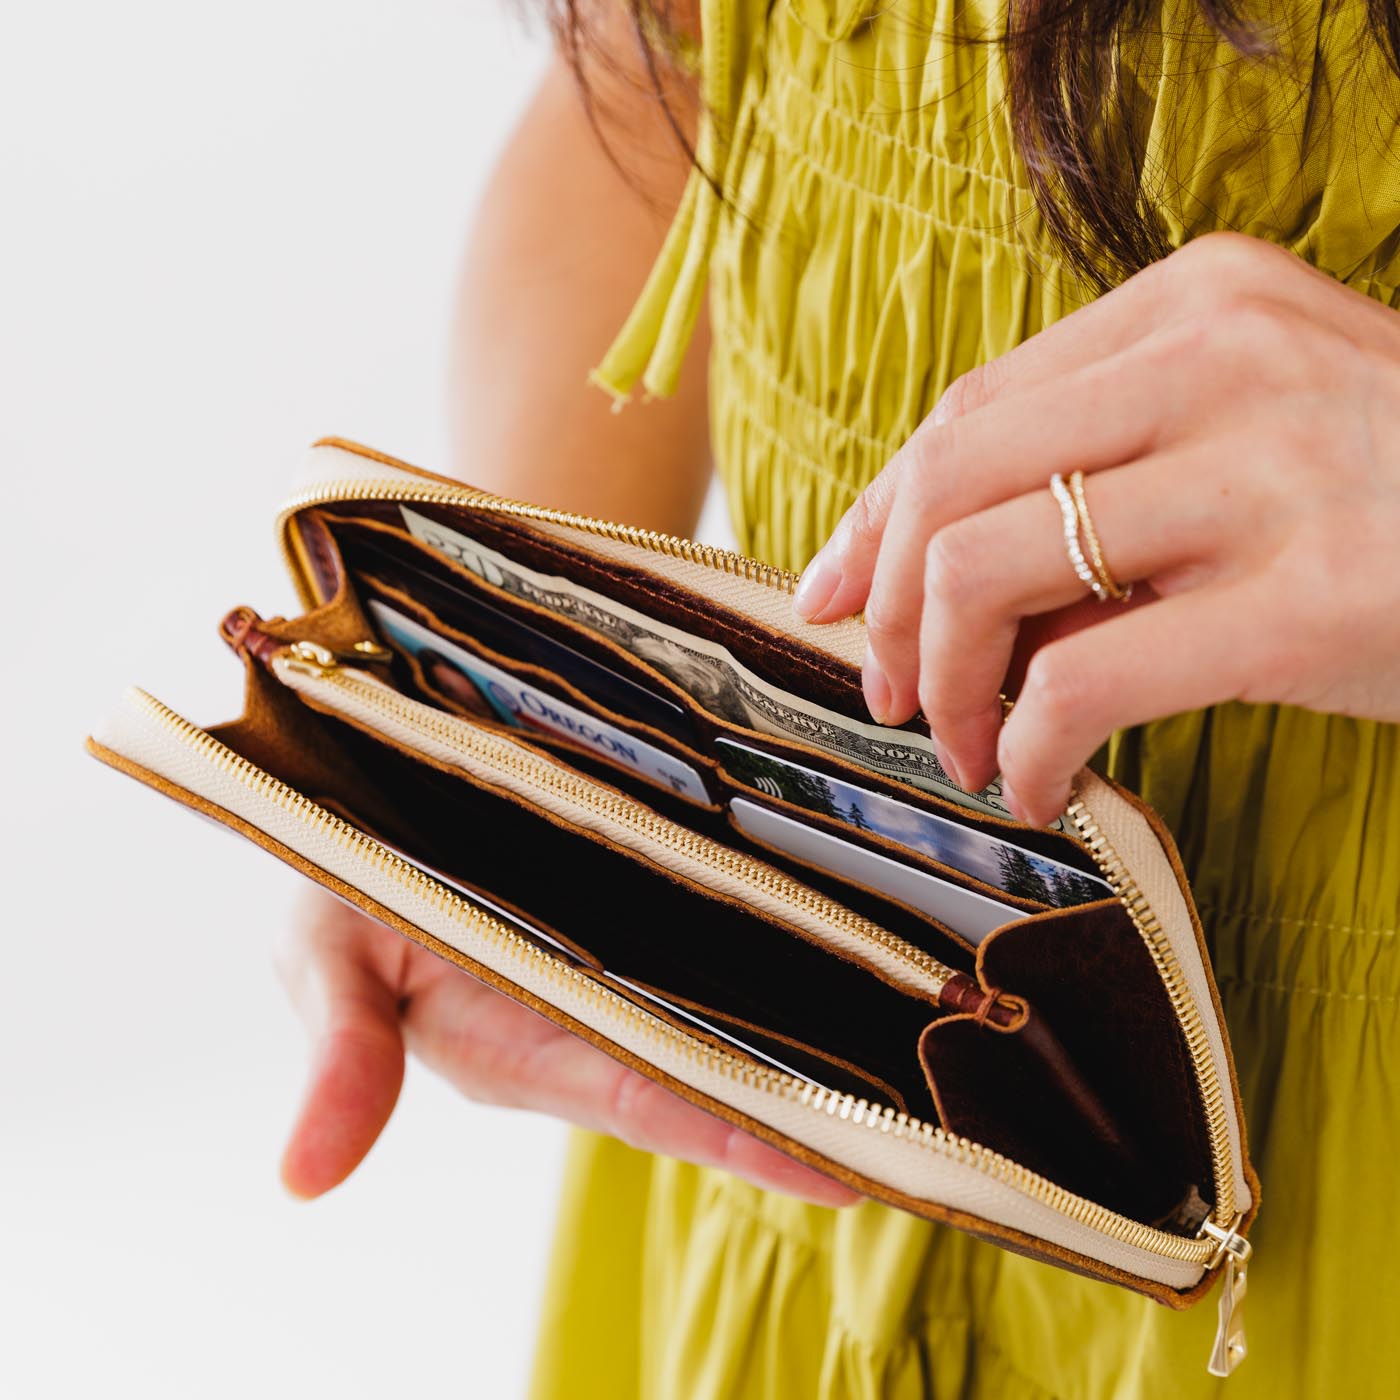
609	773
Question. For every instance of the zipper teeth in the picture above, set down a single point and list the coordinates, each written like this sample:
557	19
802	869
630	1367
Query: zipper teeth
541	774
858	1112
1134	902
1183	1003
427	493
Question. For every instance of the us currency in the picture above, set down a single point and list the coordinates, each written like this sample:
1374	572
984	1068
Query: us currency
709	674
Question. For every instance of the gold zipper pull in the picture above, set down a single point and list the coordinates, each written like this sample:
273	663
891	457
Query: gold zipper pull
247	634
1234	1251
312	659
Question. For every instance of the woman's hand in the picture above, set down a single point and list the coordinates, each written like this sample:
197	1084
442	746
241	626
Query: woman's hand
1237	417
367	994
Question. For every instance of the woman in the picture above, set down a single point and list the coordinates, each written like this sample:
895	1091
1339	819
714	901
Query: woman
902	226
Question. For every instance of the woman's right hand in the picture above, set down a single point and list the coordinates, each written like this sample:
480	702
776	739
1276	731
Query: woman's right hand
367	995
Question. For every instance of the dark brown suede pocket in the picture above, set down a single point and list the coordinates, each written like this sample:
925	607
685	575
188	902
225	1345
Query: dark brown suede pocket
1112	1111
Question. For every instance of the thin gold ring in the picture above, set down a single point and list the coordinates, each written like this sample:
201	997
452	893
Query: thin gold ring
1111	587
1069	518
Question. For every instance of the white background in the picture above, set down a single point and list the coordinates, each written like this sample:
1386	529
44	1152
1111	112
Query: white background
224	231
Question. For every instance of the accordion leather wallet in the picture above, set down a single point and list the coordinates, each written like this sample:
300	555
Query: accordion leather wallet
609	773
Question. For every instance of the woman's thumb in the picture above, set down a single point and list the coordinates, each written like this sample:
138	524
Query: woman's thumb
356	1070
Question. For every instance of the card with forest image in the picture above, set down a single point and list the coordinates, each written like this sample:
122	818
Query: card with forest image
995	862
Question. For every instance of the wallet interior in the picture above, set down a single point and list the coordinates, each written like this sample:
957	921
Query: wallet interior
1097	998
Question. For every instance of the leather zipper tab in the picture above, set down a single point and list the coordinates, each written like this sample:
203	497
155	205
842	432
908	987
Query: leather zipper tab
242	629
963	995
247	635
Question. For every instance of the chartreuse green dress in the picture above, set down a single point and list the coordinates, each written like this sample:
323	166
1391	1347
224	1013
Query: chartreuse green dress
877	239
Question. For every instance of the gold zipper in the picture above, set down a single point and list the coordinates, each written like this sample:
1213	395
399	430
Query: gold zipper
726	561
1223	1214
484	749
1223	1222
471	498
860	1113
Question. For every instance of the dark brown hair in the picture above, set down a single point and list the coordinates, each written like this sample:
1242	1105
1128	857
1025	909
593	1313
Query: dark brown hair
1071	114
1070	108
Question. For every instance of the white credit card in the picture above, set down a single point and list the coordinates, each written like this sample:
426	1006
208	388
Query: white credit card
526	706
966	912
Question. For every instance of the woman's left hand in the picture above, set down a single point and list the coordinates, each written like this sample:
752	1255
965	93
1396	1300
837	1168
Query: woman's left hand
1237	417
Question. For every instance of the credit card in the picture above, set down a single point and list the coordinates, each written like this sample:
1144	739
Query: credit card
517	702
964	911
512	637
1001	864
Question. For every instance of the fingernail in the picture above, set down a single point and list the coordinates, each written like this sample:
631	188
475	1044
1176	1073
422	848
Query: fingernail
876	687
945	762
816	586
1020	811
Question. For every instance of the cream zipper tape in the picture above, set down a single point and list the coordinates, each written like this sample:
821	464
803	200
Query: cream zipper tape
885	1147
1131	857
746	586
342	472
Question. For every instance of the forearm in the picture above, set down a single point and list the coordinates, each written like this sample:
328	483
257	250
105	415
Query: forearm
559	251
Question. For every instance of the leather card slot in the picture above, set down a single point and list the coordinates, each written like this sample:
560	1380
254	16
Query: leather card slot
438	687
882	845
910	924
1041	840
447	688
1105	1103
807	1059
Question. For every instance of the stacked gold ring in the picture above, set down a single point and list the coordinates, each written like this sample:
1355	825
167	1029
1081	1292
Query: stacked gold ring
1086	557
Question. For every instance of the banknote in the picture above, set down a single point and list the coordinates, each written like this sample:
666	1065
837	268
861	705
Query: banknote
710	674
